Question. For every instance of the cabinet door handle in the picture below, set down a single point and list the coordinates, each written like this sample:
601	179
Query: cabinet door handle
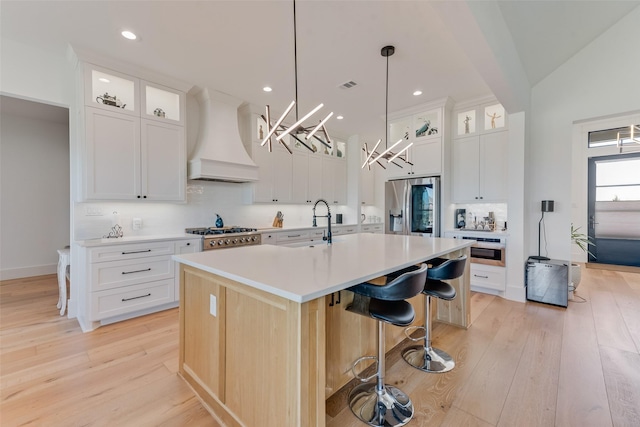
331	303
338	301
136	271
188	244
141	296
482	277
136	252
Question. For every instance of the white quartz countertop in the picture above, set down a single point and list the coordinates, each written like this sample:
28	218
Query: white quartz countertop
135	239
305	273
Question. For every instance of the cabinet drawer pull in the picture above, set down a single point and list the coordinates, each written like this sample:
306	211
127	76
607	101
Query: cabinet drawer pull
136	271
482	277
141	296
136	252
295	235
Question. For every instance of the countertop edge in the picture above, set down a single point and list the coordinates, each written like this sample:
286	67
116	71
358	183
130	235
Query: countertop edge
302	298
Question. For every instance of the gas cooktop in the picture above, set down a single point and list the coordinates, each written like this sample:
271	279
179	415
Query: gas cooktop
209	231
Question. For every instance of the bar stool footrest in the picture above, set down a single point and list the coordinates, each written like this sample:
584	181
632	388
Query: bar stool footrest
362	359
411	329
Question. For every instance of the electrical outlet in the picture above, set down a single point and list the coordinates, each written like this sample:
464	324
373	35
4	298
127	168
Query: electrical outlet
137	223
93	211
213	309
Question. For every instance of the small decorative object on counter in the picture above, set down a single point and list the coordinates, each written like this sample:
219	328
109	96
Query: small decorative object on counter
278	220
116	231
219	222
107	99
159	112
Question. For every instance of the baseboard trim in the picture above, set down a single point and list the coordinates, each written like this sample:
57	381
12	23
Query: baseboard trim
22	272
613	267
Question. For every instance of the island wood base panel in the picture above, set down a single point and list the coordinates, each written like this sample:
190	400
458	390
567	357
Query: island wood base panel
259	360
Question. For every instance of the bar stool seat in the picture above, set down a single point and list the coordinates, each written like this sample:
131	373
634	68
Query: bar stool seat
425	357
379	404
64	262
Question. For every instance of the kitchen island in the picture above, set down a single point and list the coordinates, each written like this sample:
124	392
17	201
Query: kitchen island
255	329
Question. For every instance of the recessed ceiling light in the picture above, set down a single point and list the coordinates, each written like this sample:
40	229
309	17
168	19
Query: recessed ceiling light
267	89
417	93
103	80
129	35
339	117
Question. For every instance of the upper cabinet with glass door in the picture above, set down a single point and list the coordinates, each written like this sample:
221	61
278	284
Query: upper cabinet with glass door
162	103
111	90
478	119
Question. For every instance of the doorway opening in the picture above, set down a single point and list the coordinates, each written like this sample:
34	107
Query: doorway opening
614	209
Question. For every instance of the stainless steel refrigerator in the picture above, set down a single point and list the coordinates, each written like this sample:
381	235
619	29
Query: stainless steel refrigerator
412	206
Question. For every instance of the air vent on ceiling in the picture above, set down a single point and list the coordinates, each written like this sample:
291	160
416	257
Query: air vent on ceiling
348	85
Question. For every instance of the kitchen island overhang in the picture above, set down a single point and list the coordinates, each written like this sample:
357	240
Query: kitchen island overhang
253	320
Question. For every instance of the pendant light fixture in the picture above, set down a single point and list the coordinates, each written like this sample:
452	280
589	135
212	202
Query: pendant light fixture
388	154
300	133
627	138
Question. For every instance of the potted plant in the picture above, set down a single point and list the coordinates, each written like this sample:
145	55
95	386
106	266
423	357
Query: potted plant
582	241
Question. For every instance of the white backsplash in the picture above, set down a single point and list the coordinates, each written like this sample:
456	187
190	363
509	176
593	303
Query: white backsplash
481	210
204	200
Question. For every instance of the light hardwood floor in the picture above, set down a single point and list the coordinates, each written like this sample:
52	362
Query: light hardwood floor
517	365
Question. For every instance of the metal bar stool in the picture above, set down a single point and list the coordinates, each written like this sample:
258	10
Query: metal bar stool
425	357
378	404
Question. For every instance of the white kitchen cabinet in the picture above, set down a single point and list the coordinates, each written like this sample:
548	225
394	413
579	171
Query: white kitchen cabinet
334	181
426	157
164	163
307	177
275	175
186	246
487	277
372	228
425	131
112	156
124	280
367	182
479	165
131	153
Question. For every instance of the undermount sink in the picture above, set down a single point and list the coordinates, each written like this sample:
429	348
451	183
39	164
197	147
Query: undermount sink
314	244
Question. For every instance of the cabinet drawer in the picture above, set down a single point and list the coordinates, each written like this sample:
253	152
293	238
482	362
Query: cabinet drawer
115	274
343	230
291	236
114	302
488	277
122	252
318	233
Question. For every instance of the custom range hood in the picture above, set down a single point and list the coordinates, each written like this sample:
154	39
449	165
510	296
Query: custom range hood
219	153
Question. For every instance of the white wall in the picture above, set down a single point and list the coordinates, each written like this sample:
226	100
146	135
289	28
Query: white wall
34	201
204	200
600	80
35	74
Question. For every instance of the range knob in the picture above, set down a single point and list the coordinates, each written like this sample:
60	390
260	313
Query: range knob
254	238
227	242
220	242
235	241
242	240
212	243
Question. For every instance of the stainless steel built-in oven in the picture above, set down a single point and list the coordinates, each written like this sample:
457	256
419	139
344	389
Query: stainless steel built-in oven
487	250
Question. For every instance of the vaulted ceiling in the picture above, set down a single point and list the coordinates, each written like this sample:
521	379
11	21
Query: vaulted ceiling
240	46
